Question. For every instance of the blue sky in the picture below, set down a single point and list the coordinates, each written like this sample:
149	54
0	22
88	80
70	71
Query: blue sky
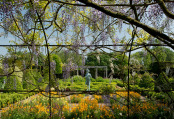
52	40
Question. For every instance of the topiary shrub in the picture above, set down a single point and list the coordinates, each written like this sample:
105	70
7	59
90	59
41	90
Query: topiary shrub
77	78
93	80
14	81
120	84
58	61
107	89
28	79
146	81
2	82
38	77
99	79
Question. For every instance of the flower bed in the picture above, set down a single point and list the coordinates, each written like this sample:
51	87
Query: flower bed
87	108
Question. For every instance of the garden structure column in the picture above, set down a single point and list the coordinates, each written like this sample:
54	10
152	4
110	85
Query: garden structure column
77	71
96	73
106	72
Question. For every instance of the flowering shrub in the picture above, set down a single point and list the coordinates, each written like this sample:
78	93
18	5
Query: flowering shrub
98	98
36	107
107	89
133	95
141	110
76	98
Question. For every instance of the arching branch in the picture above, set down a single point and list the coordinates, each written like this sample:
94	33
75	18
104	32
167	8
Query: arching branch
154	32
164	8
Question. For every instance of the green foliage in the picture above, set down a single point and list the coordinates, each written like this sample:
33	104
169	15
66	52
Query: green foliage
159	53
12	82
28	79
46	73
107	89
78	78
18	73
58	61
65	56
93	80
79	84
144	60
121	65
120	84
76	87
58	70
36	75
99	79
171	81
146	81
162	83
2	82
10	98
136	79
92	61
163	54
119	61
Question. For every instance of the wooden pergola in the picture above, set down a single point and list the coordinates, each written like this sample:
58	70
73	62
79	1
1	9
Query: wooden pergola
96	69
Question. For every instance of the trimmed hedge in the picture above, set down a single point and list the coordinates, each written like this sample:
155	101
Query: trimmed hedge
13	83
10	98
28	79
77	78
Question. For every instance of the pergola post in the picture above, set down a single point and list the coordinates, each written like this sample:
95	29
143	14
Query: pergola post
106	72
77	71
96	73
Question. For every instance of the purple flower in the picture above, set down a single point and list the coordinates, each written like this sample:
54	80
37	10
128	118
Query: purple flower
82	28
115	41
103	37
40	80
5	66
136	1
7	9
155	11
82	72
75	23
53	65
106	98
